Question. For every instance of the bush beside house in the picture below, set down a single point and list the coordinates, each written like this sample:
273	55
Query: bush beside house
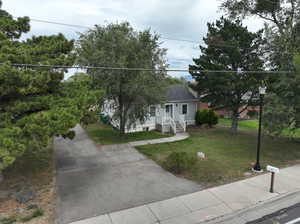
208	117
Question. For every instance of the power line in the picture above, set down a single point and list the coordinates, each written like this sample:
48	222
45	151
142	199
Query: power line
59	23
162	37
144	69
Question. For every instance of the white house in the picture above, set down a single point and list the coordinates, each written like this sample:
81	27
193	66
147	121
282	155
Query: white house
173	116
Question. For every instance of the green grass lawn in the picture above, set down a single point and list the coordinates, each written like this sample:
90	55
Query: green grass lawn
243	124
106	135
252	125
228	157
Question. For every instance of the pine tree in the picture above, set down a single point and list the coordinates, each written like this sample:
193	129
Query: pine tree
35	103
230	47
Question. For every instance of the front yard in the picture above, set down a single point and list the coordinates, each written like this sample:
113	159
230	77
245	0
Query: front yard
228	157
106	135
252	125
27	194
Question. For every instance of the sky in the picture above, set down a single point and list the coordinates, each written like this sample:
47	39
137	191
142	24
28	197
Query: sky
179	19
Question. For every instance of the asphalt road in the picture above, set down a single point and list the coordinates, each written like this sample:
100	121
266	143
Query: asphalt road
290	215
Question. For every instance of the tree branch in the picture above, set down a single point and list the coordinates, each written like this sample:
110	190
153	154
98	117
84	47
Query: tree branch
264	17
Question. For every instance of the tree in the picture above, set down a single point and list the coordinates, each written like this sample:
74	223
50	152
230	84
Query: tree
132	91
282	29
282	26
35	103
230	47
175	81
282	110
213	118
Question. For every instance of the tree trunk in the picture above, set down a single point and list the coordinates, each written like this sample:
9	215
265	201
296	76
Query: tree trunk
122	126
234	123
1	176
122	121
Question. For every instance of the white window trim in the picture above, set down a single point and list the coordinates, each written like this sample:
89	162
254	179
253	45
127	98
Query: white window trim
154	111
169	104
187	108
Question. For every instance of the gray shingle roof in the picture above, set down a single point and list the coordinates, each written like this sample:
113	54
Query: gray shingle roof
177	93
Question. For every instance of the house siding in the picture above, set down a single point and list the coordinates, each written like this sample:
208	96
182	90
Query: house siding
151	124
191	111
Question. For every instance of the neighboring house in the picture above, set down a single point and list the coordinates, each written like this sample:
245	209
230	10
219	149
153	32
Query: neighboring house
174	115
227	114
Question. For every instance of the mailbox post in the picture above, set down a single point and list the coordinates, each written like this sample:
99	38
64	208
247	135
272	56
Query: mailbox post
273	170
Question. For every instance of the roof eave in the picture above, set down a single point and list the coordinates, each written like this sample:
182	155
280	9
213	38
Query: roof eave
182	101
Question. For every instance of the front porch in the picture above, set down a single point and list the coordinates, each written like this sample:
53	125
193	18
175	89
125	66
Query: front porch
169	119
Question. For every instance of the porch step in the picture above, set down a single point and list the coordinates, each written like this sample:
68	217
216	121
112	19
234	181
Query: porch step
179	130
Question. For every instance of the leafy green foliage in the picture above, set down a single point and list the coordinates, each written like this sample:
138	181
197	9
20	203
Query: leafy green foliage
282	27
35	103
252	114
282	110
104	118
131	91
213	118
174	81
267	6
179	162
206	116
202	117
230	91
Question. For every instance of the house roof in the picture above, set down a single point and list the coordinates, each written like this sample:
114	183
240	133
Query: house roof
180	93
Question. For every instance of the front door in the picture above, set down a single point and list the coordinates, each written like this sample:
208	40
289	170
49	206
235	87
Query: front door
169	110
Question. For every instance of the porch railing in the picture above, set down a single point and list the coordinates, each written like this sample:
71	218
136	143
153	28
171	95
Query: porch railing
173	125
181	120
166	121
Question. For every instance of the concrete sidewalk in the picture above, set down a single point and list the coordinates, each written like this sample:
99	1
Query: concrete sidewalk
175	138
207	204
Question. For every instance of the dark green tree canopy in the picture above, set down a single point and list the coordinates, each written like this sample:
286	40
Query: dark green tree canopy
119	46
282	28
35	103
230	47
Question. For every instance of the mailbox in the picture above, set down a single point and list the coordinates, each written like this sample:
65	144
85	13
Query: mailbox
272	169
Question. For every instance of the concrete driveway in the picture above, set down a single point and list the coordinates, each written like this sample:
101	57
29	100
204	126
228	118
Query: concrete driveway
95	180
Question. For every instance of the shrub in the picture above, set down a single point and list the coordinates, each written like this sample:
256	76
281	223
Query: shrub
197	117
212	119
252	114
178	162
201	117
105	119
208	117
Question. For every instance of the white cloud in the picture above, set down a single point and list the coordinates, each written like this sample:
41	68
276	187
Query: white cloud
170	18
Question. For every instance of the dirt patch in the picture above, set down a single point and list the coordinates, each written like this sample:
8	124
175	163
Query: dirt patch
29	194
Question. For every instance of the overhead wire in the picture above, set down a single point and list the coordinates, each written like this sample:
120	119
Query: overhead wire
143	69
162	37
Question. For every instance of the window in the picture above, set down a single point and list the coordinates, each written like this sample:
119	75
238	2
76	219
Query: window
168	108
146	129
184	109
152	111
